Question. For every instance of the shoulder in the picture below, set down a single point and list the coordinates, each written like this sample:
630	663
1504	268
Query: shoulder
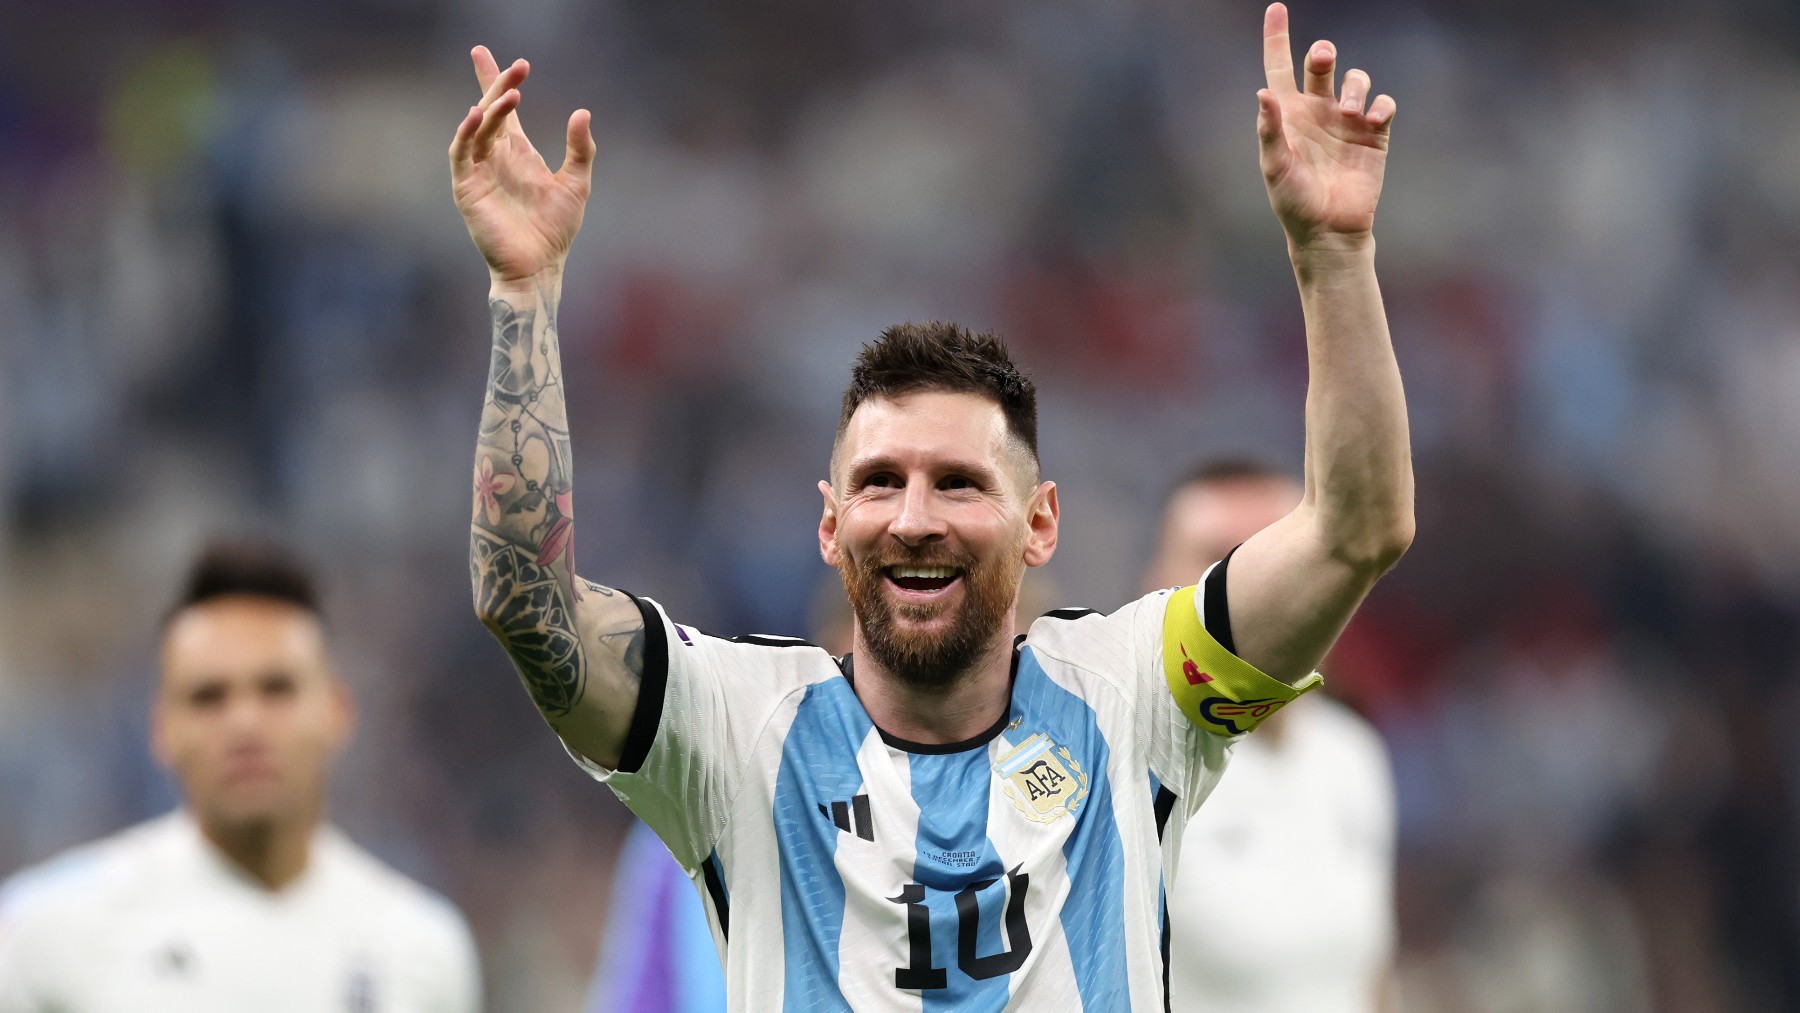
1106	643
403	905
89	873
787	660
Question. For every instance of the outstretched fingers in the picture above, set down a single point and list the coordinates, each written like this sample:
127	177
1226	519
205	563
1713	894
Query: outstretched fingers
1278	51
578	156
1355	92
1381	113
493	123
494	82
462	143
490	118
1321	69
486	67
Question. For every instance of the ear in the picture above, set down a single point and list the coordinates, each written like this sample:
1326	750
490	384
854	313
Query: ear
1042	515
828	548
159	735
343	714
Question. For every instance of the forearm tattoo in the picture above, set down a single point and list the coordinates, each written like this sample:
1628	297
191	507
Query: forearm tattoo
521	549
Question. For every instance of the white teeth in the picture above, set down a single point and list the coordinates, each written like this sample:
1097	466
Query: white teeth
928	572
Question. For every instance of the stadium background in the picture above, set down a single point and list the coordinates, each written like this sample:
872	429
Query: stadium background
236	296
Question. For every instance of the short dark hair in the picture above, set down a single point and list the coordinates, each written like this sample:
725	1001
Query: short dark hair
938	356
258	569
1227	469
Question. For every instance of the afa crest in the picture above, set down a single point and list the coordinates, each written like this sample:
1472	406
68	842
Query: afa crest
1042	779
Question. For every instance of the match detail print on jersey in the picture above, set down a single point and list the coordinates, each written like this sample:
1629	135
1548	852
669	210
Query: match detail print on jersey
1217	690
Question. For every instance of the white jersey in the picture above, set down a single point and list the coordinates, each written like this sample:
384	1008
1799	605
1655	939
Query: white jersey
845	868
1297	844
155	920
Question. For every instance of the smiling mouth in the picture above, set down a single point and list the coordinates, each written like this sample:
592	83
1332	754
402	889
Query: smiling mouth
923	579
249	773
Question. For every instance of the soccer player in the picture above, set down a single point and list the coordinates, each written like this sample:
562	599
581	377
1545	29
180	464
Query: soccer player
657	953
944	818
1294	851
243	899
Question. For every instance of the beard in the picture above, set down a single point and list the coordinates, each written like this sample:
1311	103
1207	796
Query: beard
927	659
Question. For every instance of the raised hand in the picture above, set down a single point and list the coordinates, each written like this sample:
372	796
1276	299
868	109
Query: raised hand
1323	155
522	216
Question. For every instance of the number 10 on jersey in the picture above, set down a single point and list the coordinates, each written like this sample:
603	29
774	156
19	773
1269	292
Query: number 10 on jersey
920	974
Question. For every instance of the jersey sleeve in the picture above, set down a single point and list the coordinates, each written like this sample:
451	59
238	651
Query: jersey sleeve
701	706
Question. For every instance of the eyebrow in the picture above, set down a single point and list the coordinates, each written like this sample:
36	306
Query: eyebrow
863	467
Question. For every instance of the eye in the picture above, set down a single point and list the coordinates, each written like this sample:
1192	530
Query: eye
277	686
207	697
882	480
957	482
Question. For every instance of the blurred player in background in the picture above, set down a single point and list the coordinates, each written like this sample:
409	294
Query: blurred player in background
243	899
1293	854
947	818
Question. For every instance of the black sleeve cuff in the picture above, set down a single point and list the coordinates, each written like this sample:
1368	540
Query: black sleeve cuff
647	716
1215	608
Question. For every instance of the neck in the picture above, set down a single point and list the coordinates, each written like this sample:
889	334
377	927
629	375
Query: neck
273	852
960	709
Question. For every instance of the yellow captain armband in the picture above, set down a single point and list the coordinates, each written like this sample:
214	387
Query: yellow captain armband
1216	689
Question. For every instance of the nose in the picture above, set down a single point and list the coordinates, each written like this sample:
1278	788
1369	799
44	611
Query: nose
244	715
918	521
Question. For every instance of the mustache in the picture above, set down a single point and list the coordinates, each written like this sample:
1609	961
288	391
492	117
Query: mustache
903	556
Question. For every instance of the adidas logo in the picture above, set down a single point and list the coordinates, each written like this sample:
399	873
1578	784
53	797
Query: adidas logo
852	817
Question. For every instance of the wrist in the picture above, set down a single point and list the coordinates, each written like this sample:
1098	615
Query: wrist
528	288
1331	244
1332	254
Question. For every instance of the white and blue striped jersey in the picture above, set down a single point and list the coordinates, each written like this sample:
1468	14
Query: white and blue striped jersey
155	919
845	868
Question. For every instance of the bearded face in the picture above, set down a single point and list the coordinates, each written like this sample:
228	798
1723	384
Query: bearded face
936	513
927	615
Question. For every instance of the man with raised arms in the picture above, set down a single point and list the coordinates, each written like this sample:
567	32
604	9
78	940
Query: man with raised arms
943	818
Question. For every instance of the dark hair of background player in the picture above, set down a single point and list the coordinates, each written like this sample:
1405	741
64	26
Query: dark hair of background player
1224	470
257	569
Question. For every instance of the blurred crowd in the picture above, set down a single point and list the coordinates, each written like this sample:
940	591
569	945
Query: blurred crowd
236	297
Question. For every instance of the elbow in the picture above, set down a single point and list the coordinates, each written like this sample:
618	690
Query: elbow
1397	539
484	614
1374	549
491	620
